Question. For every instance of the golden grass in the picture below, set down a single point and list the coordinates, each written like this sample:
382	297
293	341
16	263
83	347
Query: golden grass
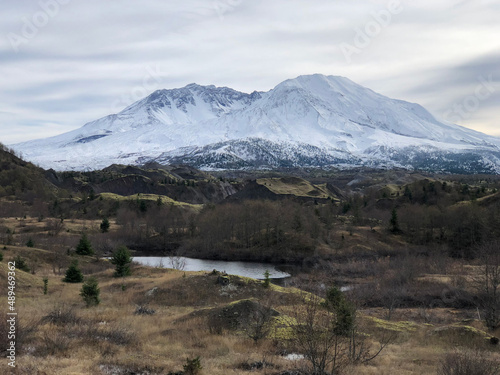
401	326
294	186
161	342
151	197
391	190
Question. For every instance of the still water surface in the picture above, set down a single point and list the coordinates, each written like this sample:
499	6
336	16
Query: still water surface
246	269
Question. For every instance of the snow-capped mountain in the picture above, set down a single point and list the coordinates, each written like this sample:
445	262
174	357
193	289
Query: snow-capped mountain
312	121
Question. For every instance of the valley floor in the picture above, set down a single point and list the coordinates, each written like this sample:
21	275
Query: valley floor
57	334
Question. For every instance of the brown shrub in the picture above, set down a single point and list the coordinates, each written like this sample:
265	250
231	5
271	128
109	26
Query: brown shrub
468	362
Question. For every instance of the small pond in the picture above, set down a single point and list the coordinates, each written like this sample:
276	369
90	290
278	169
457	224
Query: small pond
246	269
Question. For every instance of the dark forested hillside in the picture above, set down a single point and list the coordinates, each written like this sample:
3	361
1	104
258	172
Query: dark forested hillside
22	180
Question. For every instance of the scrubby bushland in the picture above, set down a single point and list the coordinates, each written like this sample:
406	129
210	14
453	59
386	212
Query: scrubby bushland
468	362
21	263
22	179
326	333
192	366
487	283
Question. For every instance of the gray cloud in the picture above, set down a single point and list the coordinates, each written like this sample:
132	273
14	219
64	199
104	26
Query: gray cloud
93	56
442	89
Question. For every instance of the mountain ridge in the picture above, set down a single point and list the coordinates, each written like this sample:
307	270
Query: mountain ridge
309	121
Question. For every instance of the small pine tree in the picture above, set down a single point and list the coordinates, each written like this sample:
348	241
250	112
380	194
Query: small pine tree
90	292
73	273
344	310
394	222
30	243
267	279
408	193
21	264
121	259
45	285
192	366
105	225
84	247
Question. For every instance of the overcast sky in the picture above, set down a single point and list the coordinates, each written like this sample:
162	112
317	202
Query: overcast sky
67	62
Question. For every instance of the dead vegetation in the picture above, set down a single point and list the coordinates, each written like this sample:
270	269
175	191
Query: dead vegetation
419	293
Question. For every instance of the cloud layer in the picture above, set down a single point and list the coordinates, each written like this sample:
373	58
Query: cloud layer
66	62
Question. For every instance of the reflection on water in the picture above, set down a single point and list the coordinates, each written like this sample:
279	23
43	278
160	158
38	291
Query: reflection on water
246	269
294	357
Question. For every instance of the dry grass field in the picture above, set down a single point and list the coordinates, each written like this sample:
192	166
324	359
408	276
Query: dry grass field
58	334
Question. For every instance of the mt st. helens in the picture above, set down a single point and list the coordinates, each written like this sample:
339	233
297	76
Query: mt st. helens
310	121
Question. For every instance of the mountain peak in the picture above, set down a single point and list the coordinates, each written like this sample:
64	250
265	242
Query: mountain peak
311	120
319	79
319	83
195	86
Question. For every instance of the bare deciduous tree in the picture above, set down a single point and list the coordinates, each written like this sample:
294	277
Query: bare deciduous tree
327	340
488	283
54	226
468	362
177	262
259	324
314	336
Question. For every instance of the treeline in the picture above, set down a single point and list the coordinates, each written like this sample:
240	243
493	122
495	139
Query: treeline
284	231
276	231
452	216
460	227
460	215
